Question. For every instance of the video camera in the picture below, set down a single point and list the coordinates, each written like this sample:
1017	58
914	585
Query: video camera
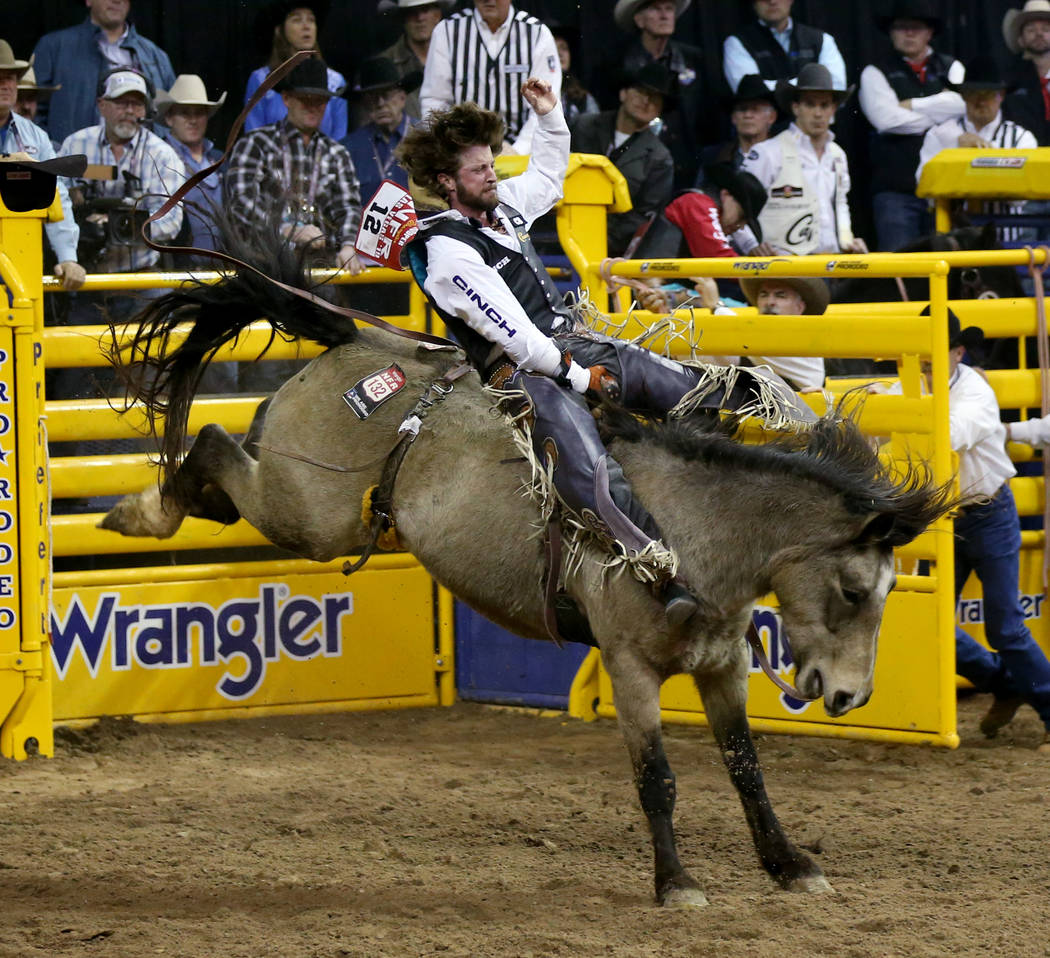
109	221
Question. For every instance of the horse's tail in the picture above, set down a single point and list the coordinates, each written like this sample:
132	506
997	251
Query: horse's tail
165	379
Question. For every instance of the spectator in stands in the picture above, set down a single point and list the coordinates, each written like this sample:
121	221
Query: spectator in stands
691	124
76	58
148	171
753	111
186	109
815	218
286	27
1027	34
383	94
903	95
409	52
20	135
575	98
773	45
30	93
291	176
484	55
982	126
625	136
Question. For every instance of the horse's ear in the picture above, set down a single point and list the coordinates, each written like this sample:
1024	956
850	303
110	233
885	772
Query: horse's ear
879	528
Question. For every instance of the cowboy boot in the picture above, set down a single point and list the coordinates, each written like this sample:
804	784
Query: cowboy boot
679	603
1000	714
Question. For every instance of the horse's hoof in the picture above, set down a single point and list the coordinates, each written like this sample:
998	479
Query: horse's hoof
684	898
811	884
142	514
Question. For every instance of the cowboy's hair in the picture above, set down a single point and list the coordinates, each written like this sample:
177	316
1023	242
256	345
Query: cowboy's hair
435	147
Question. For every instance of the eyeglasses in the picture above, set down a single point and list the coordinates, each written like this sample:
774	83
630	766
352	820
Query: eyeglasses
373	97
128	106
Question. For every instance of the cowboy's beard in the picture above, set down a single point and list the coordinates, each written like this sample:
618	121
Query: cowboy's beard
124	129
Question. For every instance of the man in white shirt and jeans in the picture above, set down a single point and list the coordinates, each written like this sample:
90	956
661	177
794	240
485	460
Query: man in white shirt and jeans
988	543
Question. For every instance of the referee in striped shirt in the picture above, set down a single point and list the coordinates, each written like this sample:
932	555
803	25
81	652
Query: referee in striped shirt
484	56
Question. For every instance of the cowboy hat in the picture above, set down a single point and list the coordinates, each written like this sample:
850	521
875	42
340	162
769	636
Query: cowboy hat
924	10
273	15
28	84
1015	20
972	337
624	11
309	78
744	187
28	185
380	73
812	78
814	291
752	87
389	6
187	90
982	73
655	77
8	61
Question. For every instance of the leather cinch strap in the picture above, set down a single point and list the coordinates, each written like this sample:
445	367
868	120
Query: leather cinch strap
359	314
1044	380
763	660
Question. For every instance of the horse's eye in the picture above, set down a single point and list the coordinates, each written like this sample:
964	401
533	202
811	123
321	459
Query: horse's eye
852	596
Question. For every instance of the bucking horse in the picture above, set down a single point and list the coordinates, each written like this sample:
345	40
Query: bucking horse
813	516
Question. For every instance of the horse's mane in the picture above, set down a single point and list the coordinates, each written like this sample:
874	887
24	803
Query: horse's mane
833	452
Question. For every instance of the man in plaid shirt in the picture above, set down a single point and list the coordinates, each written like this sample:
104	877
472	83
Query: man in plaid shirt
292	176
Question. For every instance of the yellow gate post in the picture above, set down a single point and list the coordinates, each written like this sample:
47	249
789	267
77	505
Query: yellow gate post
25	676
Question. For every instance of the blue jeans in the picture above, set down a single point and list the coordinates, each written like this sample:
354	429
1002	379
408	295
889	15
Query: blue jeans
987	542
900	218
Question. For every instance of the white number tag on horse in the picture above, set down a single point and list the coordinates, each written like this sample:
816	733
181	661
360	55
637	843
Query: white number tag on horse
368	394
388	224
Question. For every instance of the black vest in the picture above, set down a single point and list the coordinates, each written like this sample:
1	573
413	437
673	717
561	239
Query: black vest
773	62
523	272
895	156
1024	103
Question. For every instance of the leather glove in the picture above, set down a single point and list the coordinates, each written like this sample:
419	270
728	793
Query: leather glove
603	383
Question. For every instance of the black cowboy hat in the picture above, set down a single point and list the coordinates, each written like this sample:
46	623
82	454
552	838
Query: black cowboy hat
744	187
276	12
812	78
972	337
380	73
924	10
310	78
752	87
982	73
28	185
655	77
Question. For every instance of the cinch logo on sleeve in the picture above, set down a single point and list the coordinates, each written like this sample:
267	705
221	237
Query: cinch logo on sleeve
242	633
460	283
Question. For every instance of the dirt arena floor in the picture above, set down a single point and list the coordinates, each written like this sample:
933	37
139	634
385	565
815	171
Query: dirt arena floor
478	832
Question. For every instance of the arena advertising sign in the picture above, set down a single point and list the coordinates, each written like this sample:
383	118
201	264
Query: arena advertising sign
204	645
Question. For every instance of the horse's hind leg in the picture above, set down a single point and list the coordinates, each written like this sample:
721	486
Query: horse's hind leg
637	692
202	485
724	698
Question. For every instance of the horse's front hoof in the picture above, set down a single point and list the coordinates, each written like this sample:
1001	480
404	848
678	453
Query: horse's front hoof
810	884
142	514
683	898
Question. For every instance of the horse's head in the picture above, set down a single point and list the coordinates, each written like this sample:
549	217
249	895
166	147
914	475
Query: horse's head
831	601
978	282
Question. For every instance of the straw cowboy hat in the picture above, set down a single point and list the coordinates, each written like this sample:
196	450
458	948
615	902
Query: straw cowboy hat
8	61
389	6
1015	20
624	11
924	10
187	90
28	84
812	78
814	292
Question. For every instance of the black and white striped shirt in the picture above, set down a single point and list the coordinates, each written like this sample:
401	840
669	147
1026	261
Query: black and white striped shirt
468	62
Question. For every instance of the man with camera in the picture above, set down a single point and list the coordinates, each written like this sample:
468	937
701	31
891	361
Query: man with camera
111	212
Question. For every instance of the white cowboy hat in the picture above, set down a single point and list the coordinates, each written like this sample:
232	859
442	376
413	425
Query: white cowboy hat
187	90
389	6
28	84
625	10
8	61
1015	20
